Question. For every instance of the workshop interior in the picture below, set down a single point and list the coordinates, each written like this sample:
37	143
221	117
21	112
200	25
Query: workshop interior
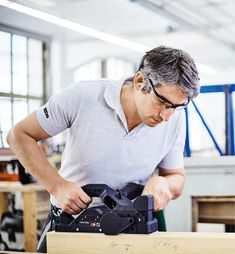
47	45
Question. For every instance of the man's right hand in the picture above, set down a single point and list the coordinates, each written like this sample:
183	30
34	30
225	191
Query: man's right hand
70	197
22	139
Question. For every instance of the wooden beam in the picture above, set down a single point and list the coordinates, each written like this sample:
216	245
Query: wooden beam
16	252
158	242
30	222
194	214
3	203
22	188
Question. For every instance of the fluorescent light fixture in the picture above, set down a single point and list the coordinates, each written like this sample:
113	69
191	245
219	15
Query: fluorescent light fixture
65	23
76	27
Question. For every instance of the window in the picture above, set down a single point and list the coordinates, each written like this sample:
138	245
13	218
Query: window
21	79
212	109
117	68
88	71
109	68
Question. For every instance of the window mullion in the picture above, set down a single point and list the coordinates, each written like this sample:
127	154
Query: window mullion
27	69
11	95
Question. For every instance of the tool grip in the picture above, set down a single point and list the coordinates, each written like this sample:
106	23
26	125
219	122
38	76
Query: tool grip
95	190
132	190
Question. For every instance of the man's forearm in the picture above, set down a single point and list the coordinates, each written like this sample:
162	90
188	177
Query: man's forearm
33	159
176	184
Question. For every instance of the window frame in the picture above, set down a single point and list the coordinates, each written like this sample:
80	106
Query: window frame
46	41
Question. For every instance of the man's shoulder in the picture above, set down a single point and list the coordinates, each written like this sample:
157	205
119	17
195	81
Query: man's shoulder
178	119
90	87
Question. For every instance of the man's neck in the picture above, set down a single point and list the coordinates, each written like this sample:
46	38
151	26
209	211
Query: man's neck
129	106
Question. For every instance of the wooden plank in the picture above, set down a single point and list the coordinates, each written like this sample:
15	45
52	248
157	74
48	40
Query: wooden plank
30	222
217	220
158	242
194	214
218	212
13	252
23	188
213	199
3	203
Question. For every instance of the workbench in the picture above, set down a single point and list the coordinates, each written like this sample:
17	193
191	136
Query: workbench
13	252
213	209
157	242
35	207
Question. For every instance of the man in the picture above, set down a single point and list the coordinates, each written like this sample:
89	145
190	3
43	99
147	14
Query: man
119	132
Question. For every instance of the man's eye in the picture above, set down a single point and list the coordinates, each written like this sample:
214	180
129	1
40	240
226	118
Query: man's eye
168	106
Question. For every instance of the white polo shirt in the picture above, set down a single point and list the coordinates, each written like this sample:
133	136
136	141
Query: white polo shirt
99	147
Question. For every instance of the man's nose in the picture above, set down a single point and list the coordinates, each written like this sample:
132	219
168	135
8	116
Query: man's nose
166	113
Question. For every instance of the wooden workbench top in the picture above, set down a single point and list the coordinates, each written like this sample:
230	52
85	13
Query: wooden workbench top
158	242
10	252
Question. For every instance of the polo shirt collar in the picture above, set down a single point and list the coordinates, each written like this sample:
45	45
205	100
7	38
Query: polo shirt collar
112	94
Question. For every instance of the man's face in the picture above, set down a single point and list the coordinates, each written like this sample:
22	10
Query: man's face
151	109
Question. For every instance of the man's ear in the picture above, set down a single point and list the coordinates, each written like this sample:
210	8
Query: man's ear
139	80
139	85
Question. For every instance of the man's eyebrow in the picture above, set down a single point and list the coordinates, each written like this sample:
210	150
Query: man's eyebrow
164	98
161	96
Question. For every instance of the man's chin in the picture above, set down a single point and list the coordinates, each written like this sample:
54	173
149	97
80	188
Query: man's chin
152	123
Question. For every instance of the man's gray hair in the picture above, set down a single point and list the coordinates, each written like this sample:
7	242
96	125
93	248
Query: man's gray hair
171	66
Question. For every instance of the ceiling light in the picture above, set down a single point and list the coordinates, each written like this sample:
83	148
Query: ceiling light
65	23
74	26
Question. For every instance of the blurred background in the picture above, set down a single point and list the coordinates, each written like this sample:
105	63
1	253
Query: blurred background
46	45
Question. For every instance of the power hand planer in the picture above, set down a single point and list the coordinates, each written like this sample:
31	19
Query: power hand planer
119	214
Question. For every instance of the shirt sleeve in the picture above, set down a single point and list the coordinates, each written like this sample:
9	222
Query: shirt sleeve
60	111
174	159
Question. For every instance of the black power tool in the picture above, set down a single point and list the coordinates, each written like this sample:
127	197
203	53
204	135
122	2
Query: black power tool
119	214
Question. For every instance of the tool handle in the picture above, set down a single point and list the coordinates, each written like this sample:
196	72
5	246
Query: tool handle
95	190
132	190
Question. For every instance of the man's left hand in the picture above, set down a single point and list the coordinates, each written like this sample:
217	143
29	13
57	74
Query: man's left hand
159	187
